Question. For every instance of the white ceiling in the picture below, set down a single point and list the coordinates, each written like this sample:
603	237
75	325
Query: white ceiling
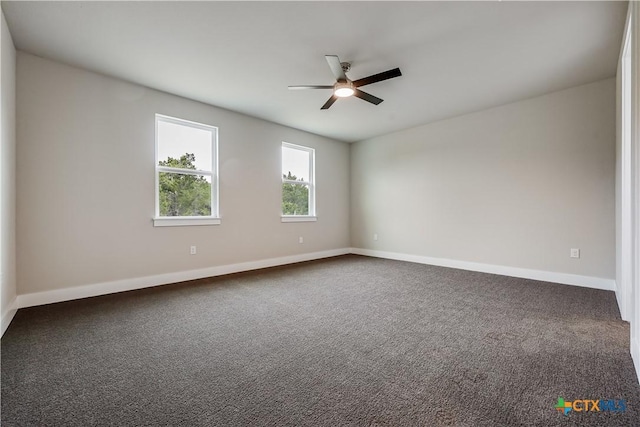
456	57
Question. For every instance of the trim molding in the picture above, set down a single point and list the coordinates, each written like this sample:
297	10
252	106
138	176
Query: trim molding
104	288
7	316
635	355
623	304
67	294
525	273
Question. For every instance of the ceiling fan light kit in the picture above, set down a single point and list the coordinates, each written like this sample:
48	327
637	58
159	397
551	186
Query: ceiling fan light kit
344	87
343	90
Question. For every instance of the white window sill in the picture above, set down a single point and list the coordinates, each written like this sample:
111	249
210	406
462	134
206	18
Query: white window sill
299	218
181	221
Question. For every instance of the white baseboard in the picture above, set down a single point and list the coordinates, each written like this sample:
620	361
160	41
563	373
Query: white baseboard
96	289
48	297
623	305
525	273
635	356
7	316
67	294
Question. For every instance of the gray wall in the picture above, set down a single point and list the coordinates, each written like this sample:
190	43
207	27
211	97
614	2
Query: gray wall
518	185
85	165
8	173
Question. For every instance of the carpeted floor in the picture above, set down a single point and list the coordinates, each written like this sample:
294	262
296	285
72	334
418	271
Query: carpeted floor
344	341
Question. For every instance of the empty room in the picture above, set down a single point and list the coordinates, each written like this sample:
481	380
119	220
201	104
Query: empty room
320	213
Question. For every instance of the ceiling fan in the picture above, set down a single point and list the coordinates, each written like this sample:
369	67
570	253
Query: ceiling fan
344	87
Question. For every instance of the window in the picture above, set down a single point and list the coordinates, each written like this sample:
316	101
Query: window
186	173
298	188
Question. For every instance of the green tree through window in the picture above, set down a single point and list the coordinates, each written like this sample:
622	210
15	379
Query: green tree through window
183	194
295	197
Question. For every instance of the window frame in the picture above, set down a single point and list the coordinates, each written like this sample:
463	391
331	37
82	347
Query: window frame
311	183
169	221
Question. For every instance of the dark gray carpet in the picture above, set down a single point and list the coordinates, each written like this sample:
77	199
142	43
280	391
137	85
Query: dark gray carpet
345	341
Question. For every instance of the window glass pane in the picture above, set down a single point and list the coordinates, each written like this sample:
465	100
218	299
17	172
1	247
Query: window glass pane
183	146
295	199
184	194
295	164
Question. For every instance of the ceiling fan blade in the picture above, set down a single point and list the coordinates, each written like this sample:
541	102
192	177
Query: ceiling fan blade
385	75
330	102
367	97
336	67
310	87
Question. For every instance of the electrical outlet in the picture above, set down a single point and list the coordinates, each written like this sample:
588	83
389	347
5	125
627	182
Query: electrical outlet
375	236
300	239
193	250
575	253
